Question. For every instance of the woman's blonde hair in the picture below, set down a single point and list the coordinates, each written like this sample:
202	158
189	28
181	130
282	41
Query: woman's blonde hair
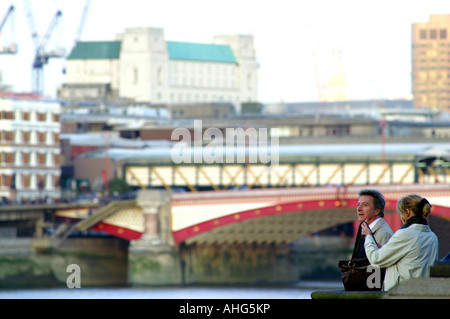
417	204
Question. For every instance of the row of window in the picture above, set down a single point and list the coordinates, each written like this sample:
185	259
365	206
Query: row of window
30	158
188	97
436	63
433	60
428	45
33	181
211	83
431	52
33	137
431	67
29	116
202	68
433	80
433	100
207	83
432	75
433	34
432	95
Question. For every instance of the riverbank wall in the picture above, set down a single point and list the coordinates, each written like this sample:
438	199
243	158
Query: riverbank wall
102	262
110	261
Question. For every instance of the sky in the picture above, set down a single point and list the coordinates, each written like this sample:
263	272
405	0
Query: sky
374	38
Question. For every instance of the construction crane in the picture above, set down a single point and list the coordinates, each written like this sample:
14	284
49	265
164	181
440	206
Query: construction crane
41	55
79	30
82	22
12	47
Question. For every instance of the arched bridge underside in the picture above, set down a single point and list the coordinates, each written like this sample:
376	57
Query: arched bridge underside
270	215
279	223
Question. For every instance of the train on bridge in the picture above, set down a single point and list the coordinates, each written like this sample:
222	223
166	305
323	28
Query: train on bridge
295	166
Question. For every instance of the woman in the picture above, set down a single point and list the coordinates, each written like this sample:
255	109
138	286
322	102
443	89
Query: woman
411	251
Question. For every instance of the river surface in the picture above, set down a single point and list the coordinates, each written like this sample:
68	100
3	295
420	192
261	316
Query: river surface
301	290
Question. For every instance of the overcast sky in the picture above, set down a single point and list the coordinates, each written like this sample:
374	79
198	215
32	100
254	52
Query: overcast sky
374	38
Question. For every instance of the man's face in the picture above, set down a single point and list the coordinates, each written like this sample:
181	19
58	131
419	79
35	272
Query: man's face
365	209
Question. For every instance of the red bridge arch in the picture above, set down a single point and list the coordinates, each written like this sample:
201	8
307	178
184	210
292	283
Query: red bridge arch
297	206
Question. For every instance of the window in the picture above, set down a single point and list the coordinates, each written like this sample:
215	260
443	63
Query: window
7	115
25	158
9	136
41	182
160	76
41	137
135	75
423	34
41	158
9	158
41	117
249	81
433	34
55	181
443	34
25	181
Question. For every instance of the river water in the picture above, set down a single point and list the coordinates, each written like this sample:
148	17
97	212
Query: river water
301	290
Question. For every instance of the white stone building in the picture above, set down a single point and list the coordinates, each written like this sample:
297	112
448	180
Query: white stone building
29	149
142	66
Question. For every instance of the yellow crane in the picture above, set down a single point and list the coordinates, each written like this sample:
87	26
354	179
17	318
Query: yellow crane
320	94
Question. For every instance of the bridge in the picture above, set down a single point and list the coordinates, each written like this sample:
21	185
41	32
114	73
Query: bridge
207	237
256	215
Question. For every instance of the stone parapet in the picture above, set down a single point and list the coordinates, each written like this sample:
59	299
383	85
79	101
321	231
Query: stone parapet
435	287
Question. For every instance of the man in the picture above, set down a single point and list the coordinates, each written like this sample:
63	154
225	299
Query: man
370	208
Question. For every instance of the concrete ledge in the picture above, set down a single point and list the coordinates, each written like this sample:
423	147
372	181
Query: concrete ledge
342	294
421	288
415	288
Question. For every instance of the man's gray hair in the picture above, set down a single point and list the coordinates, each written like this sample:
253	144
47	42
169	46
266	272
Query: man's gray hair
378	199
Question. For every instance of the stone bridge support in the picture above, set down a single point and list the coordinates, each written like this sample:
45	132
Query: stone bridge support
154	258
157	260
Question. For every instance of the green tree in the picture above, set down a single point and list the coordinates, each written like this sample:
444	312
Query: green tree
118	185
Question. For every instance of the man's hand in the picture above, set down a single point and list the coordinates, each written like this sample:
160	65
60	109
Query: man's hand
366	230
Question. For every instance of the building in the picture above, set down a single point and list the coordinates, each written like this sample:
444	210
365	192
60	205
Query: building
431	62
98	118
142	66
29	149
73	146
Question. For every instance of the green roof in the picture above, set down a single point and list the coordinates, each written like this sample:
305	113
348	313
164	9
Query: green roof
177	51
96	50
200	52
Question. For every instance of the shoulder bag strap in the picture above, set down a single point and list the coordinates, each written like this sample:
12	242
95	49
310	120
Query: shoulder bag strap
358	240
371	233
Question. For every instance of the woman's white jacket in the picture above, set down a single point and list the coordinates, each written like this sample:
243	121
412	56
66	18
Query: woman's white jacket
409	253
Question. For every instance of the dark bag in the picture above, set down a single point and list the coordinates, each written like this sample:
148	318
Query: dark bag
354	272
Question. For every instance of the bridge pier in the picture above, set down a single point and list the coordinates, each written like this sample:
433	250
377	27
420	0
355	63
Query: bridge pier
239	263
154	258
